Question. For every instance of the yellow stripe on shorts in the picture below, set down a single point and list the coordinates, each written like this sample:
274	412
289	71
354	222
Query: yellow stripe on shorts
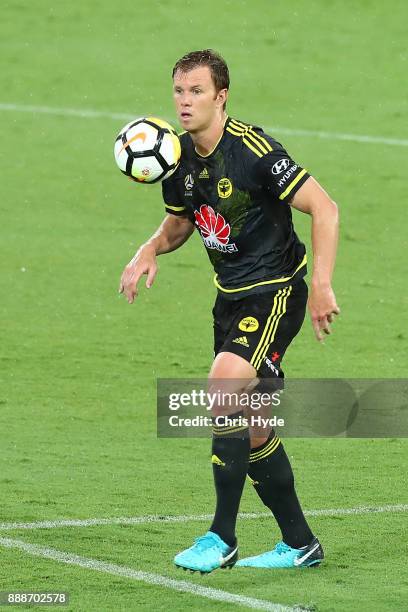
268	326
272	328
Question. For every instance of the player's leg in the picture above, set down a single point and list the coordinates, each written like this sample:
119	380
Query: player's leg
269	467
252	326
211	551
272	478
229	376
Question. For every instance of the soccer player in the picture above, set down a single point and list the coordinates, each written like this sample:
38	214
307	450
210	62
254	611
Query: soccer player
236	185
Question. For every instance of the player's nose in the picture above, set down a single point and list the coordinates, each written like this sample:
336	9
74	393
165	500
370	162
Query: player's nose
185	100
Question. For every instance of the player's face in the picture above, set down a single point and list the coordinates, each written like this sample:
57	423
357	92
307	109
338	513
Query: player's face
197	101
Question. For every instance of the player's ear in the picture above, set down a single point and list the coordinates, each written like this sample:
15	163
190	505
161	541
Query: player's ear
222	96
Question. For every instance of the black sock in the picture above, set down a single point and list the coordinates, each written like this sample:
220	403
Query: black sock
230	448
272	477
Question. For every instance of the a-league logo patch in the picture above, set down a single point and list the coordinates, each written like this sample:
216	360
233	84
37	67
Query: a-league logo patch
248	324
189	181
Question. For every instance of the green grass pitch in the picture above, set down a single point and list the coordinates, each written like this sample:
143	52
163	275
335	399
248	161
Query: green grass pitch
78	365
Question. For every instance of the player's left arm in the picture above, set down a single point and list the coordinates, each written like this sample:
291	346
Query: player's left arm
313	200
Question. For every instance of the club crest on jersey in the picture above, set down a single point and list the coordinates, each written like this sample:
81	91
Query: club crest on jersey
248	324
224	188
214	230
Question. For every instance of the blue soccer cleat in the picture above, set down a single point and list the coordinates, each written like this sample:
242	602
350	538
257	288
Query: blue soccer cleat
207	554
284	556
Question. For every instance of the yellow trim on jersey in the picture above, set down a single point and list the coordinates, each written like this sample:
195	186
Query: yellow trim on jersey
248	144
292	184
249	128
258	145
265	452
248	131
272	330
231	130
216	144
269	327
268	282
244	134
238	128
175	208
250	134
239	123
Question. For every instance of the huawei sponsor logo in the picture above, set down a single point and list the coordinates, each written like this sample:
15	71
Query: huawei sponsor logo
214	230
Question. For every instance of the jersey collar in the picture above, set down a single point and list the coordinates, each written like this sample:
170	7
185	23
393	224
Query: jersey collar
226	122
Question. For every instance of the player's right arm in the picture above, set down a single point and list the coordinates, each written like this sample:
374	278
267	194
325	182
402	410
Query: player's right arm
172	233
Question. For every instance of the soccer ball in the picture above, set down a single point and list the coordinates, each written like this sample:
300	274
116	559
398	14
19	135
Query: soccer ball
147	150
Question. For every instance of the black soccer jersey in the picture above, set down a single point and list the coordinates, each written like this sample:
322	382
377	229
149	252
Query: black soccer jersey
237	197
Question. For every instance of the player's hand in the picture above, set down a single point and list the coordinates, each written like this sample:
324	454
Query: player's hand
144	262
322	307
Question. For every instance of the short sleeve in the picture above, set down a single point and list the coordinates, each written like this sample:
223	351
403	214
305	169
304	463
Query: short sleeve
172	199
278	172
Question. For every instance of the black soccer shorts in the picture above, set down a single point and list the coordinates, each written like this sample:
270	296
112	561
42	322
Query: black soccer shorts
260	328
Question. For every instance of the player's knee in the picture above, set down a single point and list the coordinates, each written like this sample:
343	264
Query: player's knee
225	396
227	365
229	378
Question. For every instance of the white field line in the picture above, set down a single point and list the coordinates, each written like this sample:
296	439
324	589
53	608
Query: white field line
146	577
65	112
156	518
93	114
